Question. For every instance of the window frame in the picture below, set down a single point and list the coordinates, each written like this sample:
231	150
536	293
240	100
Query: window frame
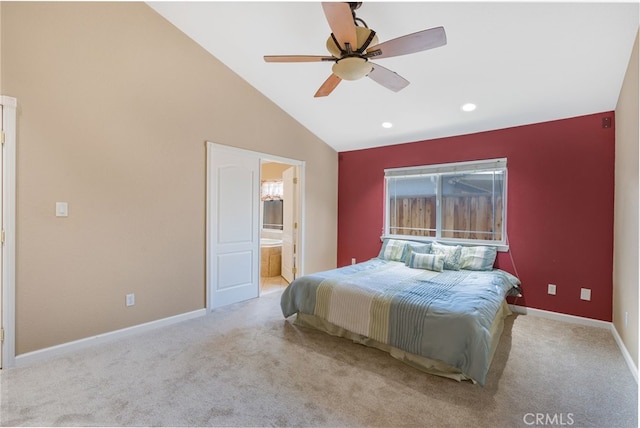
438	170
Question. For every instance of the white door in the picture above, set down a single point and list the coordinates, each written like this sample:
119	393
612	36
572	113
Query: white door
2	126
289	223
233	234
8	245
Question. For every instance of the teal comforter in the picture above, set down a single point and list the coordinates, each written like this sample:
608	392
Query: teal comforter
444	316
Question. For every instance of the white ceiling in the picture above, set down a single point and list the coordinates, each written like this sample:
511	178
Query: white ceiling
520	62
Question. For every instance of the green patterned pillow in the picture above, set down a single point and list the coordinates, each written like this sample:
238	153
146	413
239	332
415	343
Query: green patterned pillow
451	255
426	261
393	250
415	247
478	258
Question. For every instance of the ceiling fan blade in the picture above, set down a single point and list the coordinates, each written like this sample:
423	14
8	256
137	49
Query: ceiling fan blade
328	86
387	78
415	42
298	58
341	22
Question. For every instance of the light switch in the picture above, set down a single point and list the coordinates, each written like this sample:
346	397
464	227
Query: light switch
62	209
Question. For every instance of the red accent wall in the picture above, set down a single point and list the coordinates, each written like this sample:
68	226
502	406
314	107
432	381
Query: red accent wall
559	207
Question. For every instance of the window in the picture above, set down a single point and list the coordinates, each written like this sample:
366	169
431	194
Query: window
271	195
459	202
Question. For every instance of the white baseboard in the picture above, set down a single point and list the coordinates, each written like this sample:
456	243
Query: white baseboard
583	321
625	353
559	317
64	348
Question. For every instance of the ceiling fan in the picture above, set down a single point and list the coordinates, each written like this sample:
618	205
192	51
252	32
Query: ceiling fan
351	45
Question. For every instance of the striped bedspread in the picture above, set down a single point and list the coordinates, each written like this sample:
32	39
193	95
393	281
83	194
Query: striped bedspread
445	316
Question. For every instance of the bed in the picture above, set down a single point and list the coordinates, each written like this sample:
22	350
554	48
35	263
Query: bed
443	318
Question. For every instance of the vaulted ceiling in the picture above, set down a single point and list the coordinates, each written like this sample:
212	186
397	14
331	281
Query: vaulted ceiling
518	62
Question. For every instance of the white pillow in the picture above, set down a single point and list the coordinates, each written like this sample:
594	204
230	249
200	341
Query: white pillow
478	258
451	254
393	250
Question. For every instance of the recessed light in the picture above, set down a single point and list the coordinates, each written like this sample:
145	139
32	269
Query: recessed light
468	107
387	124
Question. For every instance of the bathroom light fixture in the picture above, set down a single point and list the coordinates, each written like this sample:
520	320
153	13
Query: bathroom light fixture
468	107
387	124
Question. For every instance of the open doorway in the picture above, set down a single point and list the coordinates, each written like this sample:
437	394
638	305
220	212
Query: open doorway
279	221
234	223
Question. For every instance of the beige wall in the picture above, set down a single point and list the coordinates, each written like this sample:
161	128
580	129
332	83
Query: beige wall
625	255
273	170
114	108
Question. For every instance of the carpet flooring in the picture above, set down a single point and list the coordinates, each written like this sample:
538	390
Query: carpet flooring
244	365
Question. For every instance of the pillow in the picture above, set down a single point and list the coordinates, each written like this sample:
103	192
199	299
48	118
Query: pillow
392	249
451	254
426	261
415	247
478	258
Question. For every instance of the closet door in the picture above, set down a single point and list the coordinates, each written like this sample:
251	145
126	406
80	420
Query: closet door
233	234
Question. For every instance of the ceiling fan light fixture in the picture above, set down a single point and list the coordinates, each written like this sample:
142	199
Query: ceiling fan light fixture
351	43
352	68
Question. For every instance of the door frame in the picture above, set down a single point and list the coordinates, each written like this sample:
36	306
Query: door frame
261	157
9	107
299	165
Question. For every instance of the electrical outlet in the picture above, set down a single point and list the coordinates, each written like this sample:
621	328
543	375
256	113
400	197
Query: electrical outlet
130	299
353	261
585	293
551	289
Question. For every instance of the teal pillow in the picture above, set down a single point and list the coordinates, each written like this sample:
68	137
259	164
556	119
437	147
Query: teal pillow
426	261
478	258
451	254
